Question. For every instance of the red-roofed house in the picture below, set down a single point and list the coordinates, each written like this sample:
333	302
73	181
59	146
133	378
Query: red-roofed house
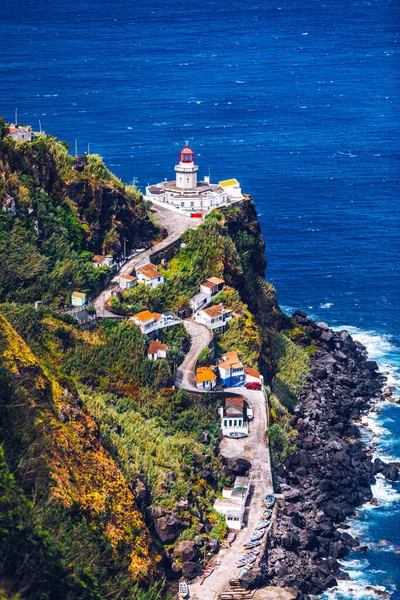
233	420
100	260
149	321
149	275
157	350
127	282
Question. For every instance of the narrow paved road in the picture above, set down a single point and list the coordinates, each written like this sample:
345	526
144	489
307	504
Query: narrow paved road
175	224
200	337
254	449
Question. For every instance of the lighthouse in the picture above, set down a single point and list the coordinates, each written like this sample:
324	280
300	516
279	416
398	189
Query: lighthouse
186	170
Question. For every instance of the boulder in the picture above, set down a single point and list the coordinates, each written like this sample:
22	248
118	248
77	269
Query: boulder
186	551
169	528
190	570
239	466
141	493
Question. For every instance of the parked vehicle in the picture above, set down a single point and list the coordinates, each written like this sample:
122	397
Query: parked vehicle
183	589
253	385
250	414
269	500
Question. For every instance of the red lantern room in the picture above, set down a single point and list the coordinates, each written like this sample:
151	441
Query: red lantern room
186	155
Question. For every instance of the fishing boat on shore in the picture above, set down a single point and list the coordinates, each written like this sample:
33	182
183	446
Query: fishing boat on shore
269	500
257	535
252	544
183	589
266	513
262	524
245	560
207	571
231	537
243	570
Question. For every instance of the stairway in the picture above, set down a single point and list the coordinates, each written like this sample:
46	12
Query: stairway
236	592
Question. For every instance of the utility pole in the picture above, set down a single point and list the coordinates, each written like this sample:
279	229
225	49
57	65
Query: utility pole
88	148
40	126
16	116
76	147
124	248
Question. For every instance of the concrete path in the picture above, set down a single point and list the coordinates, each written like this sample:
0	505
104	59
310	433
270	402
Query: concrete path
175	224
254	449
200	337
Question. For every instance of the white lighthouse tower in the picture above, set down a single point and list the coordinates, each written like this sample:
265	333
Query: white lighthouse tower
186	170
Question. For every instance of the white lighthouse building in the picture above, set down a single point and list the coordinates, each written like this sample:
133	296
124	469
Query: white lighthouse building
187	194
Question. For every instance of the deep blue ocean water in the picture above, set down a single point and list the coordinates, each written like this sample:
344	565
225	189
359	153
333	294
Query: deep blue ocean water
298	100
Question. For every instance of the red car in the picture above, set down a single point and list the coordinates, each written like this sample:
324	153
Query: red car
253	385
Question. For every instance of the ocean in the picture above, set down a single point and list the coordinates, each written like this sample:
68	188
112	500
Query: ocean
297	100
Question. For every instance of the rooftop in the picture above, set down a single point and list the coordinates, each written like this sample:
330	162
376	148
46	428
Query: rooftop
215	311
99	258
229	182
149	271
252	372
155	346
128	277
230	360
78	295
144	315
215	280
204	374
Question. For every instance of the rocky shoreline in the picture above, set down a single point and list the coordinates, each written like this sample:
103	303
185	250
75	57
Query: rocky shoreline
331	471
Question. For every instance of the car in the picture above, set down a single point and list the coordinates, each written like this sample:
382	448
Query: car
253	385
250	414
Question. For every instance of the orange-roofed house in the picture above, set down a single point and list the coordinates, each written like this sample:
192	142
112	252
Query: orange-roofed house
214	317
149	275
19	133
252	376
150	322
205	378
102	260
233	420
231	370
157	350
127	282
212	286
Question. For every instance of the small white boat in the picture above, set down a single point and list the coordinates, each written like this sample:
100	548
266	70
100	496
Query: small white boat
244	570
231	537
257	535
183	589
269	500
245	560
266	513
252	544
263	524
207	571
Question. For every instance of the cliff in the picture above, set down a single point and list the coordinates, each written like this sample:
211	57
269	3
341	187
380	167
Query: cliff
56	211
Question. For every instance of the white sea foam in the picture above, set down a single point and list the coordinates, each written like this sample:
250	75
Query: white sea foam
326	305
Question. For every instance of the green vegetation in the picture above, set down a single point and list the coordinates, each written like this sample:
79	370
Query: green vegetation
292	364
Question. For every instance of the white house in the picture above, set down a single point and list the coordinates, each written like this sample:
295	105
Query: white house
252	376
214	316
149	322
232	189
199	301
149	275
231	371
19	133
205	378
233	421
100	260
157	350
233	502
78	299
212	286
186	193
127	282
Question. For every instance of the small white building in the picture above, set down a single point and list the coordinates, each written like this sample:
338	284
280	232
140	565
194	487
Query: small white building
199	301
205	378
19	133
78	299
214	317
100	260
157	350
127	282
149	275
233	502
212	286
186	193
232	189
233	420
149	321
252	376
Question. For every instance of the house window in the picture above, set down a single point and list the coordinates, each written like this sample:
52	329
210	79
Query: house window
225	422
240	423
230	422
182	204
235	423
192	204
158	278
187	180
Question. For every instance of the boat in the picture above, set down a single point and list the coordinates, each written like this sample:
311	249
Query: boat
231	537
252	544
269	500
243	570
266	513
207	571
257	535
237	434
255	552
263	524
183	589
245	560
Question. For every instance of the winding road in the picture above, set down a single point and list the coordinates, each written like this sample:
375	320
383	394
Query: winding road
175	224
